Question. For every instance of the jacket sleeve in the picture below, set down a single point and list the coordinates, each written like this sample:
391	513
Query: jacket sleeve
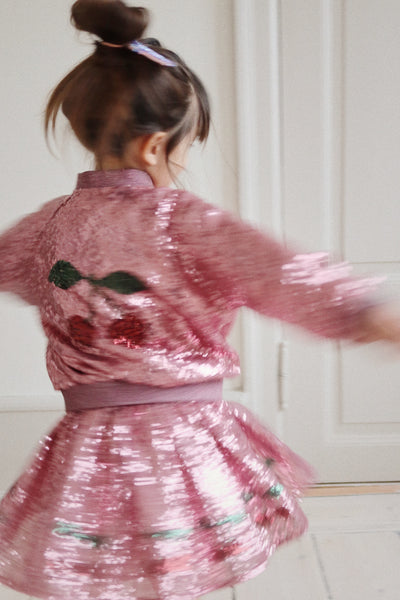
18	252
254	270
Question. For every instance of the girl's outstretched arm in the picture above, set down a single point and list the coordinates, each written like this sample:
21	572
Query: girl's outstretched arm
257	271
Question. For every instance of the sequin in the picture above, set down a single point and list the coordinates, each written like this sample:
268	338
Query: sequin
248	496
237	518
121	282
226	551
129	331
163	566
283	512
275	491
205	523
81	330
266	521
64	275
68	529
172	534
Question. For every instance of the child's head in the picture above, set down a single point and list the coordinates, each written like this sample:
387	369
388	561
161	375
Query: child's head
123	107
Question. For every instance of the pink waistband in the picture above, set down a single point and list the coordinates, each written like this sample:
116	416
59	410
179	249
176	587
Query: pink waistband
119	393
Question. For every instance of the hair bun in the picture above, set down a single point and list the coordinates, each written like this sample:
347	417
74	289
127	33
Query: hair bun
111	20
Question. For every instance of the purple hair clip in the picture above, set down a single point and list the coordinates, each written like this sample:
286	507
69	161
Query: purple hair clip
151	54
144	50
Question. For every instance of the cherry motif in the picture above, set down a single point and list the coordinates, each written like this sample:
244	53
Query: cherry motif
157	567
206	523
81	330
227	550
283	512
129	331
264	519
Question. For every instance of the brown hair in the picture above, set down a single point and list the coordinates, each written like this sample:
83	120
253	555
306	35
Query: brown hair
115	95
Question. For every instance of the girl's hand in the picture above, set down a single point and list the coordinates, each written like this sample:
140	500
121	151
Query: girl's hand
380	323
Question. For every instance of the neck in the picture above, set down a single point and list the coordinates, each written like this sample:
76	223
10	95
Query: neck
114	164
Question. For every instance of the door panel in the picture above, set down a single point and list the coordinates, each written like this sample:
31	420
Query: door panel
354	113
330	124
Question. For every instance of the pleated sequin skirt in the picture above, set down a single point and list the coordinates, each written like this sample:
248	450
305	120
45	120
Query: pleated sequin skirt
150	502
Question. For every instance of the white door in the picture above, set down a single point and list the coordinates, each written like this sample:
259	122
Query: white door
324	92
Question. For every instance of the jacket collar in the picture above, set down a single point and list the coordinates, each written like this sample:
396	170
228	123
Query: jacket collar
117	178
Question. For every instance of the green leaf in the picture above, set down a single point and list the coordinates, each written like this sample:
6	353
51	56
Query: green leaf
172	533
64	275
121	282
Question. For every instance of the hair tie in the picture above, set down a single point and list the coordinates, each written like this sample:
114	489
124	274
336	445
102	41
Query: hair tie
144	50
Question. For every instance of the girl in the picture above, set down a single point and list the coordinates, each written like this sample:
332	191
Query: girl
152	487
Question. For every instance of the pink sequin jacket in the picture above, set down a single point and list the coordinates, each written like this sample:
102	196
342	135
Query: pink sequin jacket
142	284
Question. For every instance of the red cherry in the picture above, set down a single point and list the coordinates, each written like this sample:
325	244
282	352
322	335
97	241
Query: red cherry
157	567
81	330
267	520
227	550
128	331
205	522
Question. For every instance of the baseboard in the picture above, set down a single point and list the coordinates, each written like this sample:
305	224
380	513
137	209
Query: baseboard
354	489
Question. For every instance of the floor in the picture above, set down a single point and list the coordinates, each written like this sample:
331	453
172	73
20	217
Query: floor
351	552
